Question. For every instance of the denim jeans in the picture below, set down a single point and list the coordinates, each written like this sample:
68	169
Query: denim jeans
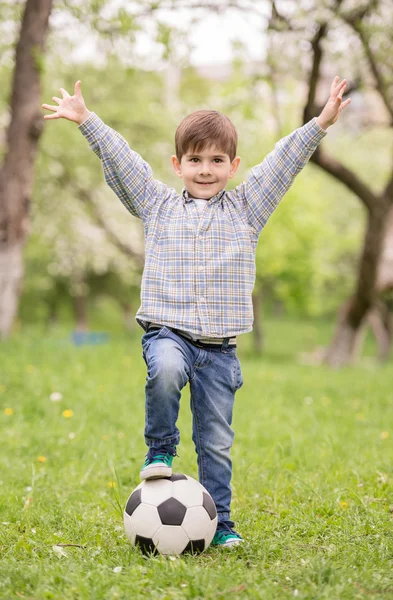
215	376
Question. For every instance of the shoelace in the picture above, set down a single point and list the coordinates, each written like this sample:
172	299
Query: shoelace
225	527
161	452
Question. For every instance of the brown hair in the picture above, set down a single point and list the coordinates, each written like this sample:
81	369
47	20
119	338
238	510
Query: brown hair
205	128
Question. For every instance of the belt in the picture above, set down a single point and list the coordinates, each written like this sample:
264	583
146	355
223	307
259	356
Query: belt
202	342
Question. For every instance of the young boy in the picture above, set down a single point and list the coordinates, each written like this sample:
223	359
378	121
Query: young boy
199	273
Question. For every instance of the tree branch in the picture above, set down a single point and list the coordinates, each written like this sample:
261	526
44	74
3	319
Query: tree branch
355	22
309	109
345	176
322	159
278	22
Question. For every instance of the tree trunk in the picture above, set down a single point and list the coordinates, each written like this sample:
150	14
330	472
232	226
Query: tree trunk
11	271
16	172
129	320
385	268
352	316
80	313
347	340
380	320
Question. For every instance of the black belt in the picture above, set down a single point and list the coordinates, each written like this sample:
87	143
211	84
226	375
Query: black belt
224	343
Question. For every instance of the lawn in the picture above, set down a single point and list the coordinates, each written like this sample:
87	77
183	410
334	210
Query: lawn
312	481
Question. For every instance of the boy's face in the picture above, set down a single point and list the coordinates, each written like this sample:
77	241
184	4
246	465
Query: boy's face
205	173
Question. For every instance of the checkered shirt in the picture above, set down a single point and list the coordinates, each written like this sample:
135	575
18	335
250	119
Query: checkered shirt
200	268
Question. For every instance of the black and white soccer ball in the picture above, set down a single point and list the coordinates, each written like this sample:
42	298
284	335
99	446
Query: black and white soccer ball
170	516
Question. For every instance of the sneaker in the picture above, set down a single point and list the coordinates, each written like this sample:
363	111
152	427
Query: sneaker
158	463
225	536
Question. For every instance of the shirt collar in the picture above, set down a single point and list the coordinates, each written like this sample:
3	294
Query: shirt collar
188	198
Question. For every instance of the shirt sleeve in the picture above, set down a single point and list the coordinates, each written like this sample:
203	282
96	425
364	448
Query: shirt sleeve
129	176
270	180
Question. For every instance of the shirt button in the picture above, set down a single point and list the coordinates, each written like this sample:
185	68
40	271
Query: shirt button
201	268
201	299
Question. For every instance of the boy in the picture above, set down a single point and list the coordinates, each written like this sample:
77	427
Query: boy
199	273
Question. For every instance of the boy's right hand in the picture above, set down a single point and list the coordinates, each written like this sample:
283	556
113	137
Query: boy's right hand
69	107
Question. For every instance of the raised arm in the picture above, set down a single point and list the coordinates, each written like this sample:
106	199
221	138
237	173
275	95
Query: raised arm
125	171
268	182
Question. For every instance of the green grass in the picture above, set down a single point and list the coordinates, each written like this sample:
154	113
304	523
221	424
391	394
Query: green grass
312	481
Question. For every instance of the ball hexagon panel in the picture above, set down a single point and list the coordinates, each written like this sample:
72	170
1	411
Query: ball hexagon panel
170	539
145	520
171	512
196	523
156	491
189	492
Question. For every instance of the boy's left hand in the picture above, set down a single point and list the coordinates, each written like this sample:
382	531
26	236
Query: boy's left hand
334	105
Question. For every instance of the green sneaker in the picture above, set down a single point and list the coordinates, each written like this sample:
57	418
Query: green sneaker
158	463
225	536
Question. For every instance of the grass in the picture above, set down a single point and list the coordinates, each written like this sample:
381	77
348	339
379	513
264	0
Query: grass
312	481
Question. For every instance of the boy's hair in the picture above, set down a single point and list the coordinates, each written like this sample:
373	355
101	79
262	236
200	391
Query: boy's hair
205	128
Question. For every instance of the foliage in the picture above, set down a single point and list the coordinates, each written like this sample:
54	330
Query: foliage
306	265
10	18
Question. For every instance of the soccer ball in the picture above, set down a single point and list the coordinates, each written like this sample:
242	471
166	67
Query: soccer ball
170	516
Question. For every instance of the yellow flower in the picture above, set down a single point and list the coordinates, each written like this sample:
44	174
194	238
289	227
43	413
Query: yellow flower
344	504
8	411
111	484
29	500
105	437
384	435
67	414
30	368
41	459
360	417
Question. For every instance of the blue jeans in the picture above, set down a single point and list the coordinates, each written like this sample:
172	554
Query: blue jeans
215	376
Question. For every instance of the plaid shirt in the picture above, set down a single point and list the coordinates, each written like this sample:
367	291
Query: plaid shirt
200	268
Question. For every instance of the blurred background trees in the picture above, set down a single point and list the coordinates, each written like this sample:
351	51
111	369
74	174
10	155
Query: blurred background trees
84	254
20	149
366	29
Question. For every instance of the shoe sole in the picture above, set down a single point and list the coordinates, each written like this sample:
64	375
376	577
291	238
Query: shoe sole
229	544
156	472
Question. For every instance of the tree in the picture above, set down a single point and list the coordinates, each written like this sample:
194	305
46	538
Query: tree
16	171
371	24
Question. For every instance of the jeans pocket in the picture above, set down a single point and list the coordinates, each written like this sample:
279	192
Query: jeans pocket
150	336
